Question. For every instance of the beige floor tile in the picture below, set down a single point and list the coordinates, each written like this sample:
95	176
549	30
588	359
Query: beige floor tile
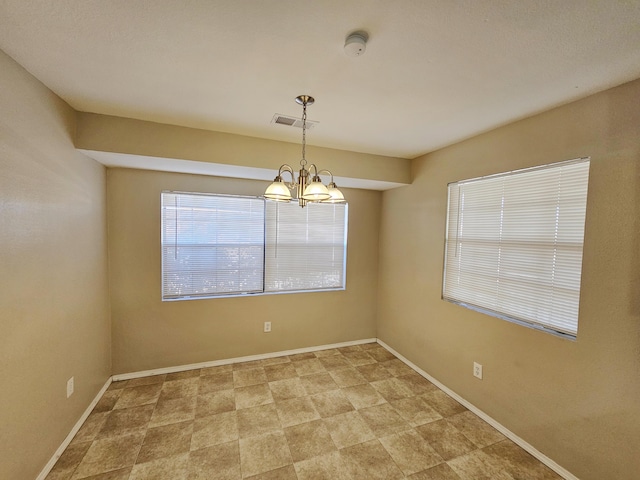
381	354
173	411
150	380
205	372
193	373
220	462
442	403
174	467
370	461
108	401
518	463
384	420
215	382
286	389
307	367
253	396
263	453
109	454
350	348
397	368
392	389
247	365
374	372
359	358
258	421
347	377
91	427
120	474
215	402
329	352
127	421
334	362
348	429
363	396
117	385
308	440
302	356
439	472
475	429
296	411
446	439
410	451
370	346
331	403
415	411
248	377
186	387
165	441
275	361
324	467
280	371
139	395
284	473
68	461
318	383
214	430
477	465
417	383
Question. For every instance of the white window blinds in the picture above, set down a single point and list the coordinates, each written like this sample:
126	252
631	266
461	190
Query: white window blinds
211	245
514	244
305	247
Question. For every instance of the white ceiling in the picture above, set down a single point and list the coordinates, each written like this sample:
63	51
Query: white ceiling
435	71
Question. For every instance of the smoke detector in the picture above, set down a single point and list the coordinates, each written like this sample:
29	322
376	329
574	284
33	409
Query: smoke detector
356	44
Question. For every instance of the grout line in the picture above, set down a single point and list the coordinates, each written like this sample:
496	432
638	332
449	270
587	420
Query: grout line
564	473
65	443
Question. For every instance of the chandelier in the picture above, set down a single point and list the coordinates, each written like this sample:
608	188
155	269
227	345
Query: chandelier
308	188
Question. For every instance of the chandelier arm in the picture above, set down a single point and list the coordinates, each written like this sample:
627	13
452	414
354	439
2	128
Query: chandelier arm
323	171
287	168
314	168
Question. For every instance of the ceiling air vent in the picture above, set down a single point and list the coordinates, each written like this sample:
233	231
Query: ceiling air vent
291	121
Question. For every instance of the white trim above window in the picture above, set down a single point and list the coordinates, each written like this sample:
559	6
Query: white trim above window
514	245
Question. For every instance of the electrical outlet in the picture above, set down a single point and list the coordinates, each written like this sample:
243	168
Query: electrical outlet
477	370
70	387
267	327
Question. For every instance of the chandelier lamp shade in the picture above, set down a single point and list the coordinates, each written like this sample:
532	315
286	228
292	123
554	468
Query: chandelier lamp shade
308	187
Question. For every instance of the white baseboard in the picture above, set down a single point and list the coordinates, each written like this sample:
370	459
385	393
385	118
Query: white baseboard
228	361
47	468
564	473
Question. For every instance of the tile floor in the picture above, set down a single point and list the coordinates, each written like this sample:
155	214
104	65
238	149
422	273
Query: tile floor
348	413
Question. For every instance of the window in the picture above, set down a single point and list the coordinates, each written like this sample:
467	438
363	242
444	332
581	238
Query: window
514	245
222	245
305	247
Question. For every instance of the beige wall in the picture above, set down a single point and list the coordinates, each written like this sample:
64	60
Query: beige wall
149	333
577	402
54	315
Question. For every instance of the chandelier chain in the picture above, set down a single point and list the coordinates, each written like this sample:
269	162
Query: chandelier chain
303	162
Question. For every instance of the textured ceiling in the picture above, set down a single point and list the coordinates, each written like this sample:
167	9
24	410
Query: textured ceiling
434	72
